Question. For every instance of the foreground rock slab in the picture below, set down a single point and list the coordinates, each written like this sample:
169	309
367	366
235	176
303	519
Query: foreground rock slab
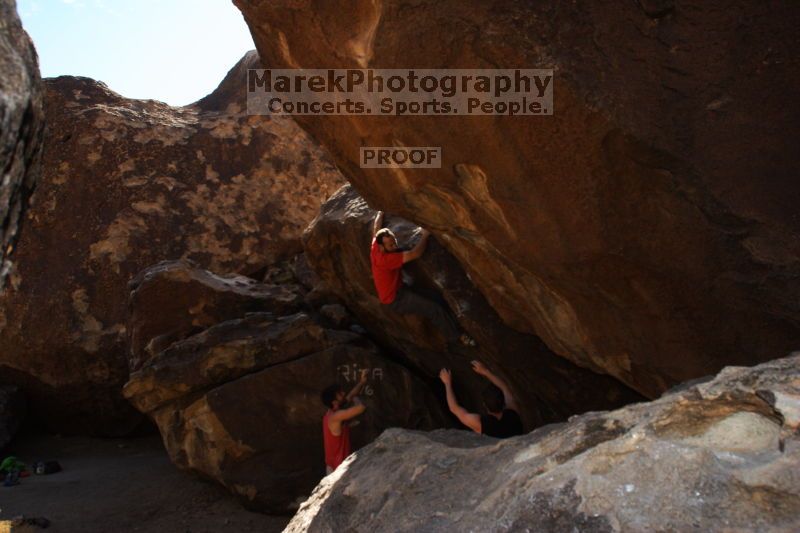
128	183
723	455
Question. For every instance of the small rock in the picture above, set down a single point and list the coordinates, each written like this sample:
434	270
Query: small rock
336	314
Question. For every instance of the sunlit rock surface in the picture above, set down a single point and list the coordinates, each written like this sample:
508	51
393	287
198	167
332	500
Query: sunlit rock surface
648	229
720	456
21	130
126	184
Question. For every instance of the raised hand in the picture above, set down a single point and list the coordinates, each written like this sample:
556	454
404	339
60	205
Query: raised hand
364	375
479	368
445	376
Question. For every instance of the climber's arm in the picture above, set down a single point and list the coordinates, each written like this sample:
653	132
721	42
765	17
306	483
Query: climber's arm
471	420
346	414
377	224
481	369
417	251
360	385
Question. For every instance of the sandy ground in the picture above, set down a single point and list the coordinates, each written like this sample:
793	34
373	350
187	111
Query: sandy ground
121	485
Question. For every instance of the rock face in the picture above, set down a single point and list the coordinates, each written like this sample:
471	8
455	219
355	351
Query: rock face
21	129
126	184
720	456
172	300
549	387
648	229
239	401
12	412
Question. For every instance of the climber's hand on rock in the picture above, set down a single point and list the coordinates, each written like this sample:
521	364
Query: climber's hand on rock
479	368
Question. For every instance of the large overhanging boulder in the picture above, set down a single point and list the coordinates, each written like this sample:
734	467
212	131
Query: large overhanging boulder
549	387
720	456
21	129
648	228
239	402
126	184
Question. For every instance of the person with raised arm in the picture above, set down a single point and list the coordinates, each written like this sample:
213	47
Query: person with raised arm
502	419
336	422
387	261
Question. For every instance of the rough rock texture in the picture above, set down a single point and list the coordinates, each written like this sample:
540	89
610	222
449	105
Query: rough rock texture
649	228
126	184
336	314
21	129
12	412
549	387
174	299
720	456
239	401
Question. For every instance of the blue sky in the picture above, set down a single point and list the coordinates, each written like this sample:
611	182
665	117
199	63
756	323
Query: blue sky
176	51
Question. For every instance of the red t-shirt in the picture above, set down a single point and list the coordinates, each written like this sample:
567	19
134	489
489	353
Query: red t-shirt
337	448
386	269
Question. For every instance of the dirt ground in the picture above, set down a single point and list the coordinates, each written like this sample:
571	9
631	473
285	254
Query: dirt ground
121	485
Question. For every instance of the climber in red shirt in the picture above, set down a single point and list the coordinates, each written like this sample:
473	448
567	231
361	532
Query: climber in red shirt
335	425
387	262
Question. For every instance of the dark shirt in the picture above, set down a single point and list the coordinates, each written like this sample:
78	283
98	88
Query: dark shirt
508	425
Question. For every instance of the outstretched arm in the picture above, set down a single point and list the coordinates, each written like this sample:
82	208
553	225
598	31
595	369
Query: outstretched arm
346	414
417	251
479	367
471	420
351	412
359	386
377	224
